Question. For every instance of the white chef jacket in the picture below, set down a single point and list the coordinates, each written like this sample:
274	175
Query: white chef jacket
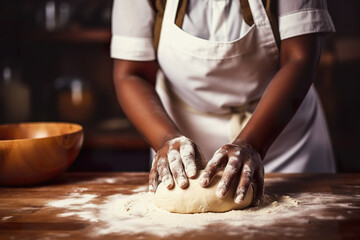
221	20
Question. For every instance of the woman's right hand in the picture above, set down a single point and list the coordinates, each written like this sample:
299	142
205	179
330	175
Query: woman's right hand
179	159
176	159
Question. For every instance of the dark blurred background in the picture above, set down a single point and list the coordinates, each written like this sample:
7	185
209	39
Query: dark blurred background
55	66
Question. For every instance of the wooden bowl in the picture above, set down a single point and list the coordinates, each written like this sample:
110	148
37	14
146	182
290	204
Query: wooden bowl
31	153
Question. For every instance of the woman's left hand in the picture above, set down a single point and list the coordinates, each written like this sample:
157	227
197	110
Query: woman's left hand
239	160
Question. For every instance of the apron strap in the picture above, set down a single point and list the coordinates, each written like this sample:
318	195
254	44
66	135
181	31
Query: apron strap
271	12
181	13
159	8
246	12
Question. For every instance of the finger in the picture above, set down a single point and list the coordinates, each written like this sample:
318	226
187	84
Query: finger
214	166
245	180
230	173
164	173
259	186
153	176
176	167
187	154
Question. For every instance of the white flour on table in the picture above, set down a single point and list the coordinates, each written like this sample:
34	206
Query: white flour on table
6	218
136	213
73	199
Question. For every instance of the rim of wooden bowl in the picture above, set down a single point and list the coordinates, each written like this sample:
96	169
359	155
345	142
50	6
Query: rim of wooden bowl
79	128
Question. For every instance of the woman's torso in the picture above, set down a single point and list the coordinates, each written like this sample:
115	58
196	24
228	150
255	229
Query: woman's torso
226	71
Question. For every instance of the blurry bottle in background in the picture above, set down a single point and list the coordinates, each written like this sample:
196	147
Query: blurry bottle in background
75	100
54	15
15	97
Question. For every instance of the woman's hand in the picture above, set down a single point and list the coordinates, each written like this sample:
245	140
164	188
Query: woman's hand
176	159
238	161
179	159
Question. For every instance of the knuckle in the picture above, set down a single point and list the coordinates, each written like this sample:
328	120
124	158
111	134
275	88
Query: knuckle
213	162
221	151
222	184
151	180
237	153
153	173
188	157
214	165
164	172
233	159
216	158
189	163
247	175
153	162
204	174
230	171
173	155
234	162
180	176
162	163
240	190
176	168
165	178
247	172
187	151
185	142
247	168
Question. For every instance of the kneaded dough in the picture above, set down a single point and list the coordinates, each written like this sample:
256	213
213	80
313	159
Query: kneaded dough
196	199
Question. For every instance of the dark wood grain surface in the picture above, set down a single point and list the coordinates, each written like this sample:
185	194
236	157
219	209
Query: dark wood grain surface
25	213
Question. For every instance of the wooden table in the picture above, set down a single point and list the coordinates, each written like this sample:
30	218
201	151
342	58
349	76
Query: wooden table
329	208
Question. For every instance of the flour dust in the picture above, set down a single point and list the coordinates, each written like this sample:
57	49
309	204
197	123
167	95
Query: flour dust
137	214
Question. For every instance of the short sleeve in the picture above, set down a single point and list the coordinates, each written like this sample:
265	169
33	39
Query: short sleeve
132	26
303	17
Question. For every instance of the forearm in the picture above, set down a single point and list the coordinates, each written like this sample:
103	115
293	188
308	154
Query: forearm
143	107
282	98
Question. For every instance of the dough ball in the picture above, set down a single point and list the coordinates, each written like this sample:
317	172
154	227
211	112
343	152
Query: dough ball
196	199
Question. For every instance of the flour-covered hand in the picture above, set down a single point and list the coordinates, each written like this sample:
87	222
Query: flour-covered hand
179	159
241	164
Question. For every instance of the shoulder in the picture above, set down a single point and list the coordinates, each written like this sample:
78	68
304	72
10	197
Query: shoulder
303	17
132	30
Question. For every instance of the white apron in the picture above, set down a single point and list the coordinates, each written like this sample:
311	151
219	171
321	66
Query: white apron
209	84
